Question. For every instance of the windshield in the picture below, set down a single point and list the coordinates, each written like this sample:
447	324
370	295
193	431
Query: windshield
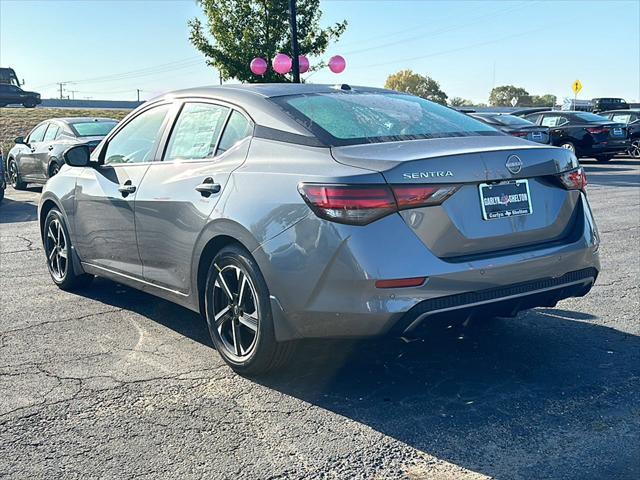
93	128
352	118
590	117
512	120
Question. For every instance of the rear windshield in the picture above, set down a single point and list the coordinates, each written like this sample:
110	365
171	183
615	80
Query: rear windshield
590	117
93	129
511	120
349	118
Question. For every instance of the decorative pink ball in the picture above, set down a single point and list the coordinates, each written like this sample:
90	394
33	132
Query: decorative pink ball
258	66
337	64
304	63
281	63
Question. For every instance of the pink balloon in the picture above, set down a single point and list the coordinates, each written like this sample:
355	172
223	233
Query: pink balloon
258	66
281	63
304	63
337	64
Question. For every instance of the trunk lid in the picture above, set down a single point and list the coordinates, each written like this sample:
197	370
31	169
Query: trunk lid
456	229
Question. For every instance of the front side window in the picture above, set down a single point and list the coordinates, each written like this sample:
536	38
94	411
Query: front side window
622	118
136	141
553	121
38	133
52	133
238	128
196	132
349	118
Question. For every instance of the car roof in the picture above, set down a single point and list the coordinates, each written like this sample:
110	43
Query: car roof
253	99
69	120
622	110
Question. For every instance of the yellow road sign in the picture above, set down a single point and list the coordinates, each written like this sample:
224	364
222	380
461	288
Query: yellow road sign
576	87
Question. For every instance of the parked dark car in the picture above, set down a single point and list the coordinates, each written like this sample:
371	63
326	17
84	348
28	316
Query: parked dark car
604	104
38	157
585	134
3	183
631	118
12	94
516	126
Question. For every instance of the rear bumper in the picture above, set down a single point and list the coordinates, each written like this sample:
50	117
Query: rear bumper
614	146
322	277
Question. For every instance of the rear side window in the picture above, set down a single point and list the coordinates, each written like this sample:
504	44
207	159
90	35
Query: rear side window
238	128
136	141
52	132
196	132
554	121
348	118
38	134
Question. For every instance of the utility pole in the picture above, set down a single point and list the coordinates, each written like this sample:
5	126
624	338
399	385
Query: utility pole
73	92
138	92
294	41
61	84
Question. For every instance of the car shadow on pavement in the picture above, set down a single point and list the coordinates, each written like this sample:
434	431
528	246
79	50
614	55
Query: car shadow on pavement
544	395
12	211
540	396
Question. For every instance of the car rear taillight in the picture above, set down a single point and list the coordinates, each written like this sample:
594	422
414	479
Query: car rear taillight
363	204
519	134
597	130
412	196
573	179
351	204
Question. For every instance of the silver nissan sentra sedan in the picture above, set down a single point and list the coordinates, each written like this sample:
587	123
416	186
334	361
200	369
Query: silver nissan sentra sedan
286	211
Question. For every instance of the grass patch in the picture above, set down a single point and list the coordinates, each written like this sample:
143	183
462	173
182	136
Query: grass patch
16	122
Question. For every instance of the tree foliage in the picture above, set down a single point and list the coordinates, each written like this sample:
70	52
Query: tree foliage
547	100
501	96
459	102
416	84
238	30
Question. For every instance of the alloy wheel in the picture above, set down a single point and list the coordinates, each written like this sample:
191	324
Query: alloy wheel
235	311
56	250
568	146
634	150
13	174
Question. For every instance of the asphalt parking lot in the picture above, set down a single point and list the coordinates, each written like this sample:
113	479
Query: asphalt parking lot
114	383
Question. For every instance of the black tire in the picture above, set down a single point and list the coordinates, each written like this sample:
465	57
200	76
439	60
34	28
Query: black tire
603	158
29	104
262	352
14	175
56	240
1	193
54	168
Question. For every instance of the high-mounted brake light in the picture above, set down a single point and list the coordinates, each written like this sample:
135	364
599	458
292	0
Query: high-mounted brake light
575	179
363	204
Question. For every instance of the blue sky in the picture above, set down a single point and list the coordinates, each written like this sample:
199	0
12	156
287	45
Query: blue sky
467	46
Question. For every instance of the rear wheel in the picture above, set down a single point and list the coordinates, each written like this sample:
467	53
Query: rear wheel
57	248
569	146
14	176
238	314
634	150
604	158
29	104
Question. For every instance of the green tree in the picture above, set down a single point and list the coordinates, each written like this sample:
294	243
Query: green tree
501	96
416	84
239	30
459	102
547	100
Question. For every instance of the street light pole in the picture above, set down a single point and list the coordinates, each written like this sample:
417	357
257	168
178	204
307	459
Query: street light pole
294	41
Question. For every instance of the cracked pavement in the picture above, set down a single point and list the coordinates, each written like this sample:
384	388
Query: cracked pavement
113	383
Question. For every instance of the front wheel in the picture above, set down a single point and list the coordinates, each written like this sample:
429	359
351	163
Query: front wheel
568	146
14	176
634	150
29	104
57	248
238	313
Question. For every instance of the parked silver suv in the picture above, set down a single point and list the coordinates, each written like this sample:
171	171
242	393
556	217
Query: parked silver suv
283	212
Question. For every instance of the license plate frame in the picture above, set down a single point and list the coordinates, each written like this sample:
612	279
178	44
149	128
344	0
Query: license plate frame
493	210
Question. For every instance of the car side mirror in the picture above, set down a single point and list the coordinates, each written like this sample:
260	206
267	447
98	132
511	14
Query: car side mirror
20	141
77	156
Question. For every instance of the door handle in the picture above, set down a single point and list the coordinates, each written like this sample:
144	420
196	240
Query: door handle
126	189
208	187
33	149
50	147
